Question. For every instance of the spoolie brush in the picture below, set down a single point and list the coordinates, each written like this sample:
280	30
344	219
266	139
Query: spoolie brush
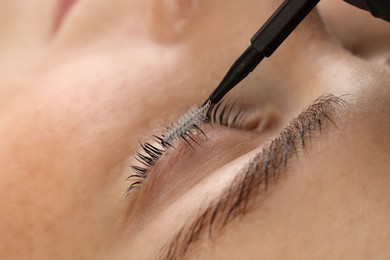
184	125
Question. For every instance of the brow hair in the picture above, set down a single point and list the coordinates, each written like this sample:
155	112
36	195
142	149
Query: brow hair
242	195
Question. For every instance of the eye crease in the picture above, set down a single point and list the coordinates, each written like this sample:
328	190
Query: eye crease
226	113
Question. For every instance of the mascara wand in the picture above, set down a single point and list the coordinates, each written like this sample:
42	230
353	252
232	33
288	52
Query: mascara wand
263	44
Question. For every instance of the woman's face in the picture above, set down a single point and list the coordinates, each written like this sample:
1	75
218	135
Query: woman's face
82	83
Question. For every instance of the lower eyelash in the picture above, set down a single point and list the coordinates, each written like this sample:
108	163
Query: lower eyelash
225	113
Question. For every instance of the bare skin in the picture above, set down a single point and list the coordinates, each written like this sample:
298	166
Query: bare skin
76	94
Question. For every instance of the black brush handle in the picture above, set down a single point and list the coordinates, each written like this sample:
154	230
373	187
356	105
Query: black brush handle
281	24
277	28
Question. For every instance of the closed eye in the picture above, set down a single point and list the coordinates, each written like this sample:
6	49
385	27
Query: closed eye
225	113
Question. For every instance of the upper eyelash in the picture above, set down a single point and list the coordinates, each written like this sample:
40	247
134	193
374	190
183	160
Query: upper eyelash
225	113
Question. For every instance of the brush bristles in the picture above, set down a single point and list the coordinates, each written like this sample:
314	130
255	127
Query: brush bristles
182	127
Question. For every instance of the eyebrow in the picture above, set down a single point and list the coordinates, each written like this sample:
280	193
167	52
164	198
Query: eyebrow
254	178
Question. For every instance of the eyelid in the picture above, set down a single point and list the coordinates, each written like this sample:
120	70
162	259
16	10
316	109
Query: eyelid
239	198
226	113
